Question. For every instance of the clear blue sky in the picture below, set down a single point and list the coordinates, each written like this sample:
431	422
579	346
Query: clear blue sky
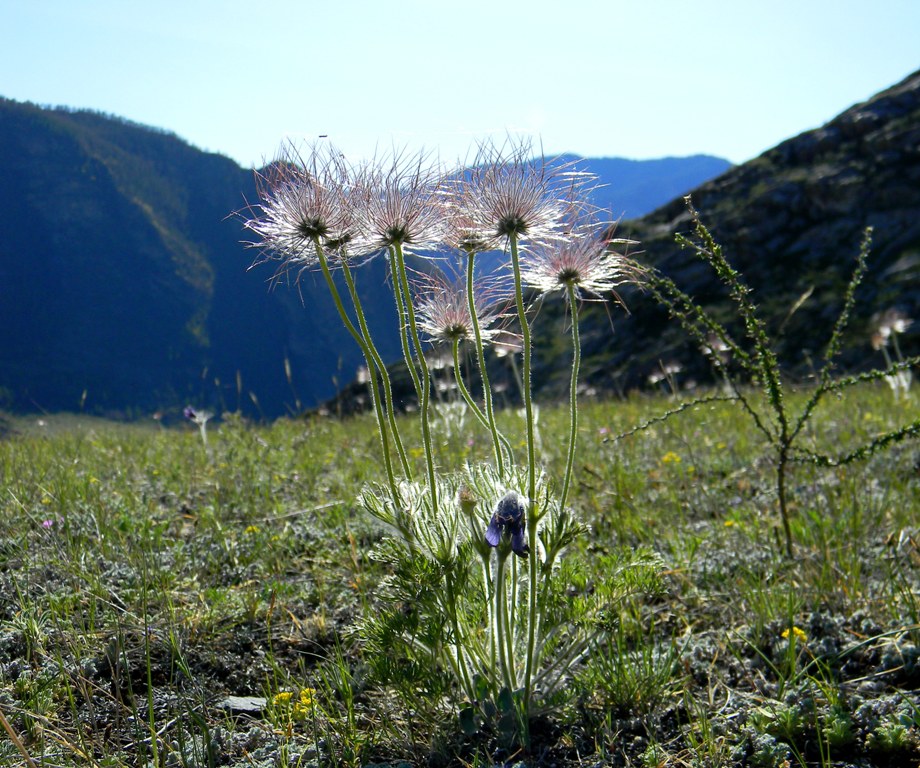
600	78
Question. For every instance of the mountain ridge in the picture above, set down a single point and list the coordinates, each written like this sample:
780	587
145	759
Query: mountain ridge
791	221
126	287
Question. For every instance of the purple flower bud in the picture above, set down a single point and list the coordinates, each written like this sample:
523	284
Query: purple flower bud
494	532
509	516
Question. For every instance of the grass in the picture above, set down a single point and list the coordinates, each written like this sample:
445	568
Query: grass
146	578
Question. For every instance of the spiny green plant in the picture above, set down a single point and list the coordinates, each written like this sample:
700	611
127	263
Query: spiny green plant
768	407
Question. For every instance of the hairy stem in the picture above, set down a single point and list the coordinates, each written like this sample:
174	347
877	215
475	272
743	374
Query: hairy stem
481	417
375	393
378	362
526	391
483	372
424	387
502	629
573	396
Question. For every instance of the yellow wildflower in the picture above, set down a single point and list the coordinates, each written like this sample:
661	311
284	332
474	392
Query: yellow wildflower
670	458
304	707
796	632
251	529
283	698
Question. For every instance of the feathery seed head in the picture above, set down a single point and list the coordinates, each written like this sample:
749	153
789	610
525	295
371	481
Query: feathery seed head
442	308
584	261
302	206
507	194
400	206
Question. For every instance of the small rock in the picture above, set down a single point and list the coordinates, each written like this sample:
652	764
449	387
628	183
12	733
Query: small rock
248	705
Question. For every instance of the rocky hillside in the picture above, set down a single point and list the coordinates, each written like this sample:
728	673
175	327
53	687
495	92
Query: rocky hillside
125	287
791	221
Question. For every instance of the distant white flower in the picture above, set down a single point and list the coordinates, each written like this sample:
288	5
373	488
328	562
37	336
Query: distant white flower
887	324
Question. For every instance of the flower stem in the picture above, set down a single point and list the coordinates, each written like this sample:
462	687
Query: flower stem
375	393
481	417
404	326
461	386
501	620
424	388
378	362
573	396
483	372
526	390
531	475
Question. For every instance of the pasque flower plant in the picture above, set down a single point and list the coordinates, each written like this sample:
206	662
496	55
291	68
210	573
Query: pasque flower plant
476	585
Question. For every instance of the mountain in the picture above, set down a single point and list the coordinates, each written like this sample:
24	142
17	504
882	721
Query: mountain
123	279
125	288
631	188
791	221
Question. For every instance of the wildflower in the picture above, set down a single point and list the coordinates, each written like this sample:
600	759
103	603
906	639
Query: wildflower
583	262
400	207
891	322
198	417
283	698
461	231
443	309
888	325
251	530
303	205
509	516
47	523
797	632
304	705
512	196
670	458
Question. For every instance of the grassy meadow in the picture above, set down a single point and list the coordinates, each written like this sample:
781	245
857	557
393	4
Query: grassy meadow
166	602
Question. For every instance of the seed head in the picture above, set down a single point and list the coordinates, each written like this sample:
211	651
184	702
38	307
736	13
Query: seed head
585	261
508	194
443	312
399	206
302	206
